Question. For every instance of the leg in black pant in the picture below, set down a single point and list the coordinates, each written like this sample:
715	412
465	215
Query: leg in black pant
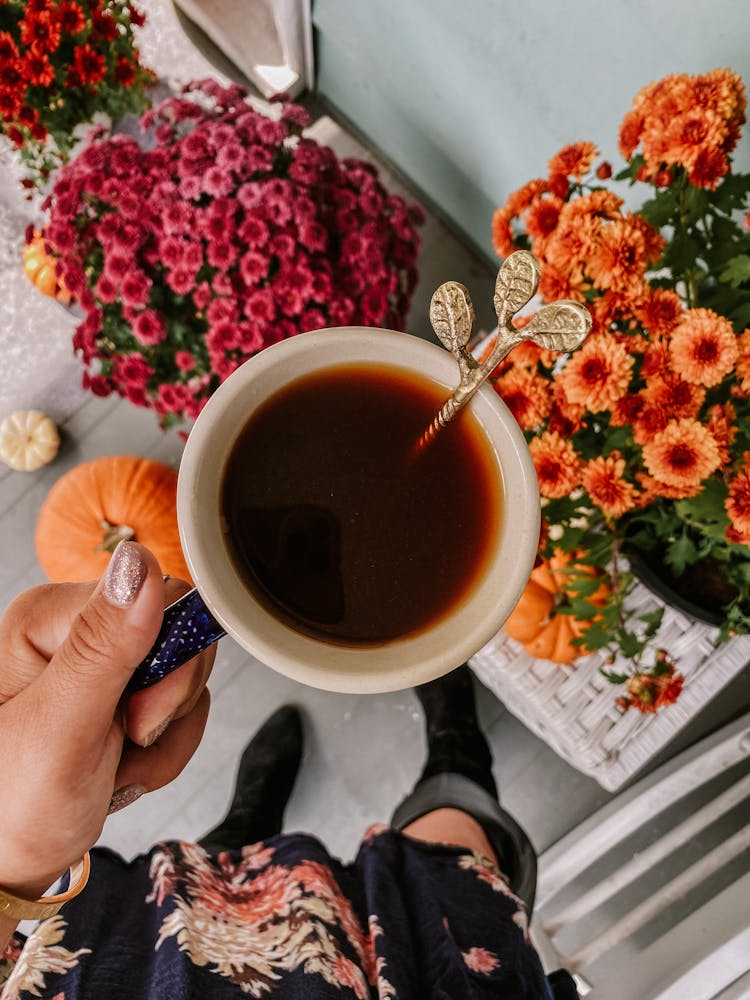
458	775
265	779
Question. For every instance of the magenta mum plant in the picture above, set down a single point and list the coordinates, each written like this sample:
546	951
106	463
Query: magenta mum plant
233	232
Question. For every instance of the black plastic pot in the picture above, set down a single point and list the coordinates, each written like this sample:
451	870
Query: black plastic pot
651	571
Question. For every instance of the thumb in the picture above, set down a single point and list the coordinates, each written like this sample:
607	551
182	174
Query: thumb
109	637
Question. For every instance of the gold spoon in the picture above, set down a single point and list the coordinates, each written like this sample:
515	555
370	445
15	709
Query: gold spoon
559	326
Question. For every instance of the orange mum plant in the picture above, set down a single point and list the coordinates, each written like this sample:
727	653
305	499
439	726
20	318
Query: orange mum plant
641	439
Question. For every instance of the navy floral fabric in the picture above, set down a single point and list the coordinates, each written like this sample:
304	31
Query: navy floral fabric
283	919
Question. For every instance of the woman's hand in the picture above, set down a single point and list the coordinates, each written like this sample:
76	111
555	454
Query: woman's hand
67	652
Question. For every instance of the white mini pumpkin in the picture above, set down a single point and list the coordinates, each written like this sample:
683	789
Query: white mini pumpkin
28	440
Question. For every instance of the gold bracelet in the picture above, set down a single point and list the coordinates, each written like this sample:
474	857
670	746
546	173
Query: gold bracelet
47	906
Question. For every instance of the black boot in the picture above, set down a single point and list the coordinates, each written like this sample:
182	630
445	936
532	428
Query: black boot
455	743
265	778
458	775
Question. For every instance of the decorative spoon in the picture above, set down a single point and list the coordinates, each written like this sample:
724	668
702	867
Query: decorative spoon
559	326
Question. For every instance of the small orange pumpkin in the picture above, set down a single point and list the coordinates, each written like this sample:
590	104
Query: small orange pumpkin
96	505
544	634
40	268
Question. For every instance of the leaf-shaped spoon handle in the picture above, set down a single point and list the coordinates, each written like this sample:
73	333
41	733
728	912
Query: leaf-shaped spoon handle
559	326
452	319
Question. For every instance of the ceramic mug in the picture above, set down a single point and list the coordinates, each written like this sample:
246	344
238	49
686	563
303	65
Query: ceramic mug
222	604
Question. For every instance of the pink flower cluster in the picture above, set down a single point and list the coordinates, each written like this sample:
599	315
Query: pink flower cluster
231	233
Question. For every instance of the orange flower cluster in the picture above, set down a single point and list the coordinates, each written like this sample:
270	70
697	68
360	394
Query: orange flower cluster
691	122
641	435
650	364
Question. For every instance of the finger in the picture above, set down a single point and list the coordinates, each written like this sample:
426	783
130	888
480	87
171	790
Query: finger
157	765
39	619
149	711
32	628
107	640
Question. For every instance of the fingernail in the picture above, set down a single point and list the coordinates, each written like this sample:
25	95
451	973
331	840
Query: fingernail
154	735
125	575
124	797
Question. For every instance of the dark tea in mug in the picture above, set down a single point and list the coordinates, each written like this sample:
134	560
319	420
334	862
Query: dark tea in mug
339	525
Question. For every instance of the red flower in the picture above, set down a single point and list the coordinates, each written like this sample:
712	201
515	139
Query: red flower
11	79
178	217
221	254
15	135
202	295
260	306
98	385
124	72
253	267
27	116
648	692
217	181
136	17
73	78
181	281
72	19
8	48
37	69
106	289
41	30
149	328
116	266
134	370
104	24
184	360
89	64
135	288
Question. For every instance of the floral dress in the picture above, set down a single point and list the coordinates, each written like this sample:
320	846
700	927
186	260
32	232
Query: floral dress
283	919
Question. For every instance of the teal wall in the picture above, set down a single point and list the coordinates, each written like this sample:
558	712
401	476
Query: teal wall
470	98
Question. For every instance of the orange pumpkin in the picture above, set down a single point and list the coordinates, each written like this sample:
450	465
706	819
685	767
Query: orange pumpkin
544	634
99	503
41	269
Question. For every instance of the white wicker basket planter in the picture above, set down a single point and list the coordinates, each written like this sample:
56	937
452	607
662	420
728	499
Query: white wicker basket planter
572	708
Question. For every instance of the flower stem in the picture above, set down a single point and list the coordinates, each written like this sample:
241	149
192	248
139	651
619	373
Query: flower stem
691	284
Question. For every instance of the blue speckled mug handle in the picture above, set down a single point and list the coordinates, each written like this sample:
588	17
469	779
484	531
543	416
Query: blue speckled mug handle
187	629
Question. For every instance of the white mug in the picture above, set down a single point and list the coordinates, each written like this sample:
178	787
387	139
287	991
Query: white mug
221	602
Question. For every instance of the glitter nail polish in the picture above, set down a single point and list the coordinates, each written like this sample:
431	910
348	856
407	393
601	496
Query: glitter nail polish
159	731
124	797
125	575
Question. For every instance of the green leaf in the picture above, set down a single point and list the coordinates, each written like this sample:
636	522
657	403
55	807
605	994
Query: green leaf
681	553
697	203
740	316
643	540
609	615
737	270
630	645
583	586
595	637
660	211
682	253
614	678
652	620
708	505
571	538
726	239
732	193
